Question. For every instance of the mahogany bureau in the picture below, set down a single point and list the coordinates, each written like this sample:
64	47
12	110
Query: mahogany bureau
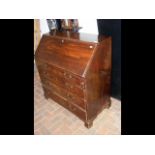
75	71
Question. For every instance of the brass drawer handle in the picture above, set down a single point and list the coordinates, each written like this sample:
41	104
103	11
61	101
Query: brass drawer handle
90	46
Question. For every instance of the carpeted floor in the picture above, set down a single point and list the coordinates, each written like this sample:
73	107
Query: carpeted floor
52	119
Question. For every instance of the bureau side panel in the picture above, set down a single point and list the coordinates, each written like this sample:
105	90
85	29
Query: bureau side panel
98	79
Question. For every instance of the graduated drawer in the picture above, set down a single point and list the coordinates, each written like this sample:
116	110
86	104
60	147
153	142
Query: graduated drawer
61	82
70	97
62	101
58	72
63	79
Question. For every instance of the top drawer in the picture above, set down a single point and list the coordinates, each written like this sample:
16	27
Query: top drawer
47	69
62	78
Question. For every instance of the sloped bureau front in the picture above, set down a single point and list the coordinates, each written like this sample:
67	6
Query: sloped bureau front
75	71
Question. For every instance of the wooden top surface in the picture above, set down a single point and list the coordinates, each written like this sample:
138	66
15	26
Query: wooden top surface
84	37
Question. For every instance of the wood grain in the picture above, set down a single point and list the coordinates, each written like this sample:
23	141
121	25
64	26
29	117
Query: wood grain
76	72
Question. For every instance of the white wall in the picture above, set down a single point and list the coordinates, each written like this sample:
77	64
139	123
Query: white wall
43	26
88	26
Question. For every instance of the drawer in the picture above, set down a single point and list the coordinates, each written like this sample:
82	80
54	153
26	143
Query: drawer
81	114
63	79
62	101
57	98
61	82
68	78
55	88
72	98
67	95
74	89
52	78
74	79
46	68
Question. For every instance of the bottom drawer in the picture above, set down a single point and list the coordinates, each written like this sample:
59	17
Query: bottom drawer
81	114
62	101
56	97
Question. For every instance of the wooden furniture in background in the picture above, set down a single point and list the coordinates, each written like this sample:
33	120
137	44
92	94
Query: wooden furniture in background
37	33
75	70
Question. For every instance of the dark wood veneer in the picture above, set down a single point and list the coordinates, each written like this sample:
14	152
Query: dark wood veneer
75	70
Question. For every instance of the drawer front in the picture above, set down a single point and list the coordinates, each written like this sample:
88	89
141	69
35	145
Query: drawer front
74	89
81	114
63	79
59	81
55	88
70	97
76	80
62	101
52	70
57	97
